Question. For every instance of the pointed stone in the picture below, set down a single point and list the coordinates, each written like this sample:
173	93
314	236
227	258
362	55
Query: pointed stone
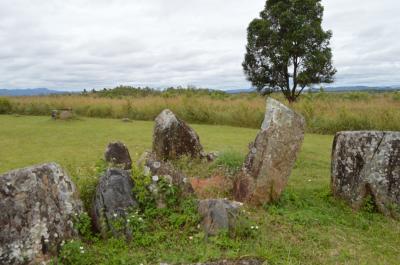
118	155
173	138
271	158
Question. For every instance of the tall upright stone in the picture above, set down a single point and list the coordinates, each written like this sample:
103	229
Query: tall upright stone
38	206
272	155
366	166
173	138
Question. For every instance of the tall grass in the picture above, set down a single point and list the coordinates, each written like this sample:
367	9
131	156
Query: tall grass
325	113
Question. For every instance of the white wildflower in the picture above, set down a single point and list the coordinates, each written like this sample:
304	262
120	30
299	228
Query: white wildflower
252	227
115	215
81	248
128	220
146	171
190	238
140	219
257	227
155	178
156	164
82	252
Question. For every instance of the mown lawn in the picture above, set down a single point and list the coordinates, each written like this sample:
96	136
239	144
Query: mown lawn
307	226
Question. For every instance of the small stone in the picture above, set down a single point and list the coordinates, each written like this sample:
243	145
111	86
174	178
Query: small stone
217	215
118	154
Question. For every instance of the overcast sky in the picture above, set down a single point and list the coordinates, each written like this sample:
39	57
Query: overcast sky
76	44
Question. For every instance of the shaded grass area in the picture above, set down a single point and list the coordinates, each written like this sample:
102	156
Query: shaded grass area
307	226
325	113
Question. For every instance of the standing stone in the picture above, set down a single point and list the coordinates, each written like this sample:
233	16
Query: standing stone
118	154
114	197
173	138
366	165
38	205
218	215
272	156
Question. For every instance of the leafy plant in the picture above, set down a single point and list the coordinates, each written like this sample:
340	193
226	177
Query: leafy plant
83	224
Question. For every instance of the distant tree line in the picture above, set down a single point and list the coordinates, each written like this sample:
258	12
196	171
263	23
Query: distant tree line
130	91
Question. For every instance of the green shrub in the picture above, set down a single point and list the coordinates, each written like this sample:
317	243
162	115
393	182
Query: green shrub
5	106
83	224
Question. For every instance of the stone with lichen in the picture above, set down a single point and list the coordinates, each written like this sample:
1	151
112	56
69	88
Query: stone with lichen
366	166
218	215
271	158
150	163
173	138
113	200
38	206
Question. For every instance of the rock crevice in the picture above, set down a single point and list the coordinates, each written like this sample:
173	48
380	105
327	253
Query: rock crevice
367	164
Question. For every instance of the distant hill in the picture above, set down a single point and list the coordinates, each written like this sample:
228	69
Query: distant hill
331	89
361	88
30	92
120	91
238	91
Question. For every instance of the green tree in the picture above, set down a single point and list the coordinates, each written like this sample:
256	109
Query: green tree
287	48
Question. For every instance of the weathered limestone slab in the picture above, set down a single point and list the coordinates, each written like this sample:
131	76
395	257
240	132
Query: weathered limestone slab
38	205
272	156
367	164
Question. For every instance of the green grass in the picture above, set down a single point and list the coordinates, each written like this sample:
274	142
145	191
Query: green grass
307	226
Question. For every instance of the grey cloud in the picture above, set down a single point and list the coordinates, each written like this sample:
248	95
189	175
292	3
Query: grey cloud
78	44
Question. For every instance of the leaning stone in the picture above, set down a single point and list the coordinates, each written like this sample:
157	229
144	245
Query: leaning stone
366	164
173	138
113	199
38	205
118	155
218	215
272	156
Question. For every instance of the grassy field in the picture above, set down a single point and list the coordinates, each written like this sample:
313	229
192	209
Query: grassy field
325	113
307	226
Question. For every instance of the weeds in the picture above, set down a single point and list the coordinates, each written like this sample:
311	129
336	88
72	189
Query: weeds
325	113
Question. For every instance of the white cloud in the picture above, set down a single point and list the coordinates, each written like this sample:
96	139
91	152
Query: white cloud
76	44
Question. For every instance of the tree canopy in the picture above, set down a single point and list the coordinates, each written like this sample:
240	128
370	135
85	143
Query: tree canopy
287	48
